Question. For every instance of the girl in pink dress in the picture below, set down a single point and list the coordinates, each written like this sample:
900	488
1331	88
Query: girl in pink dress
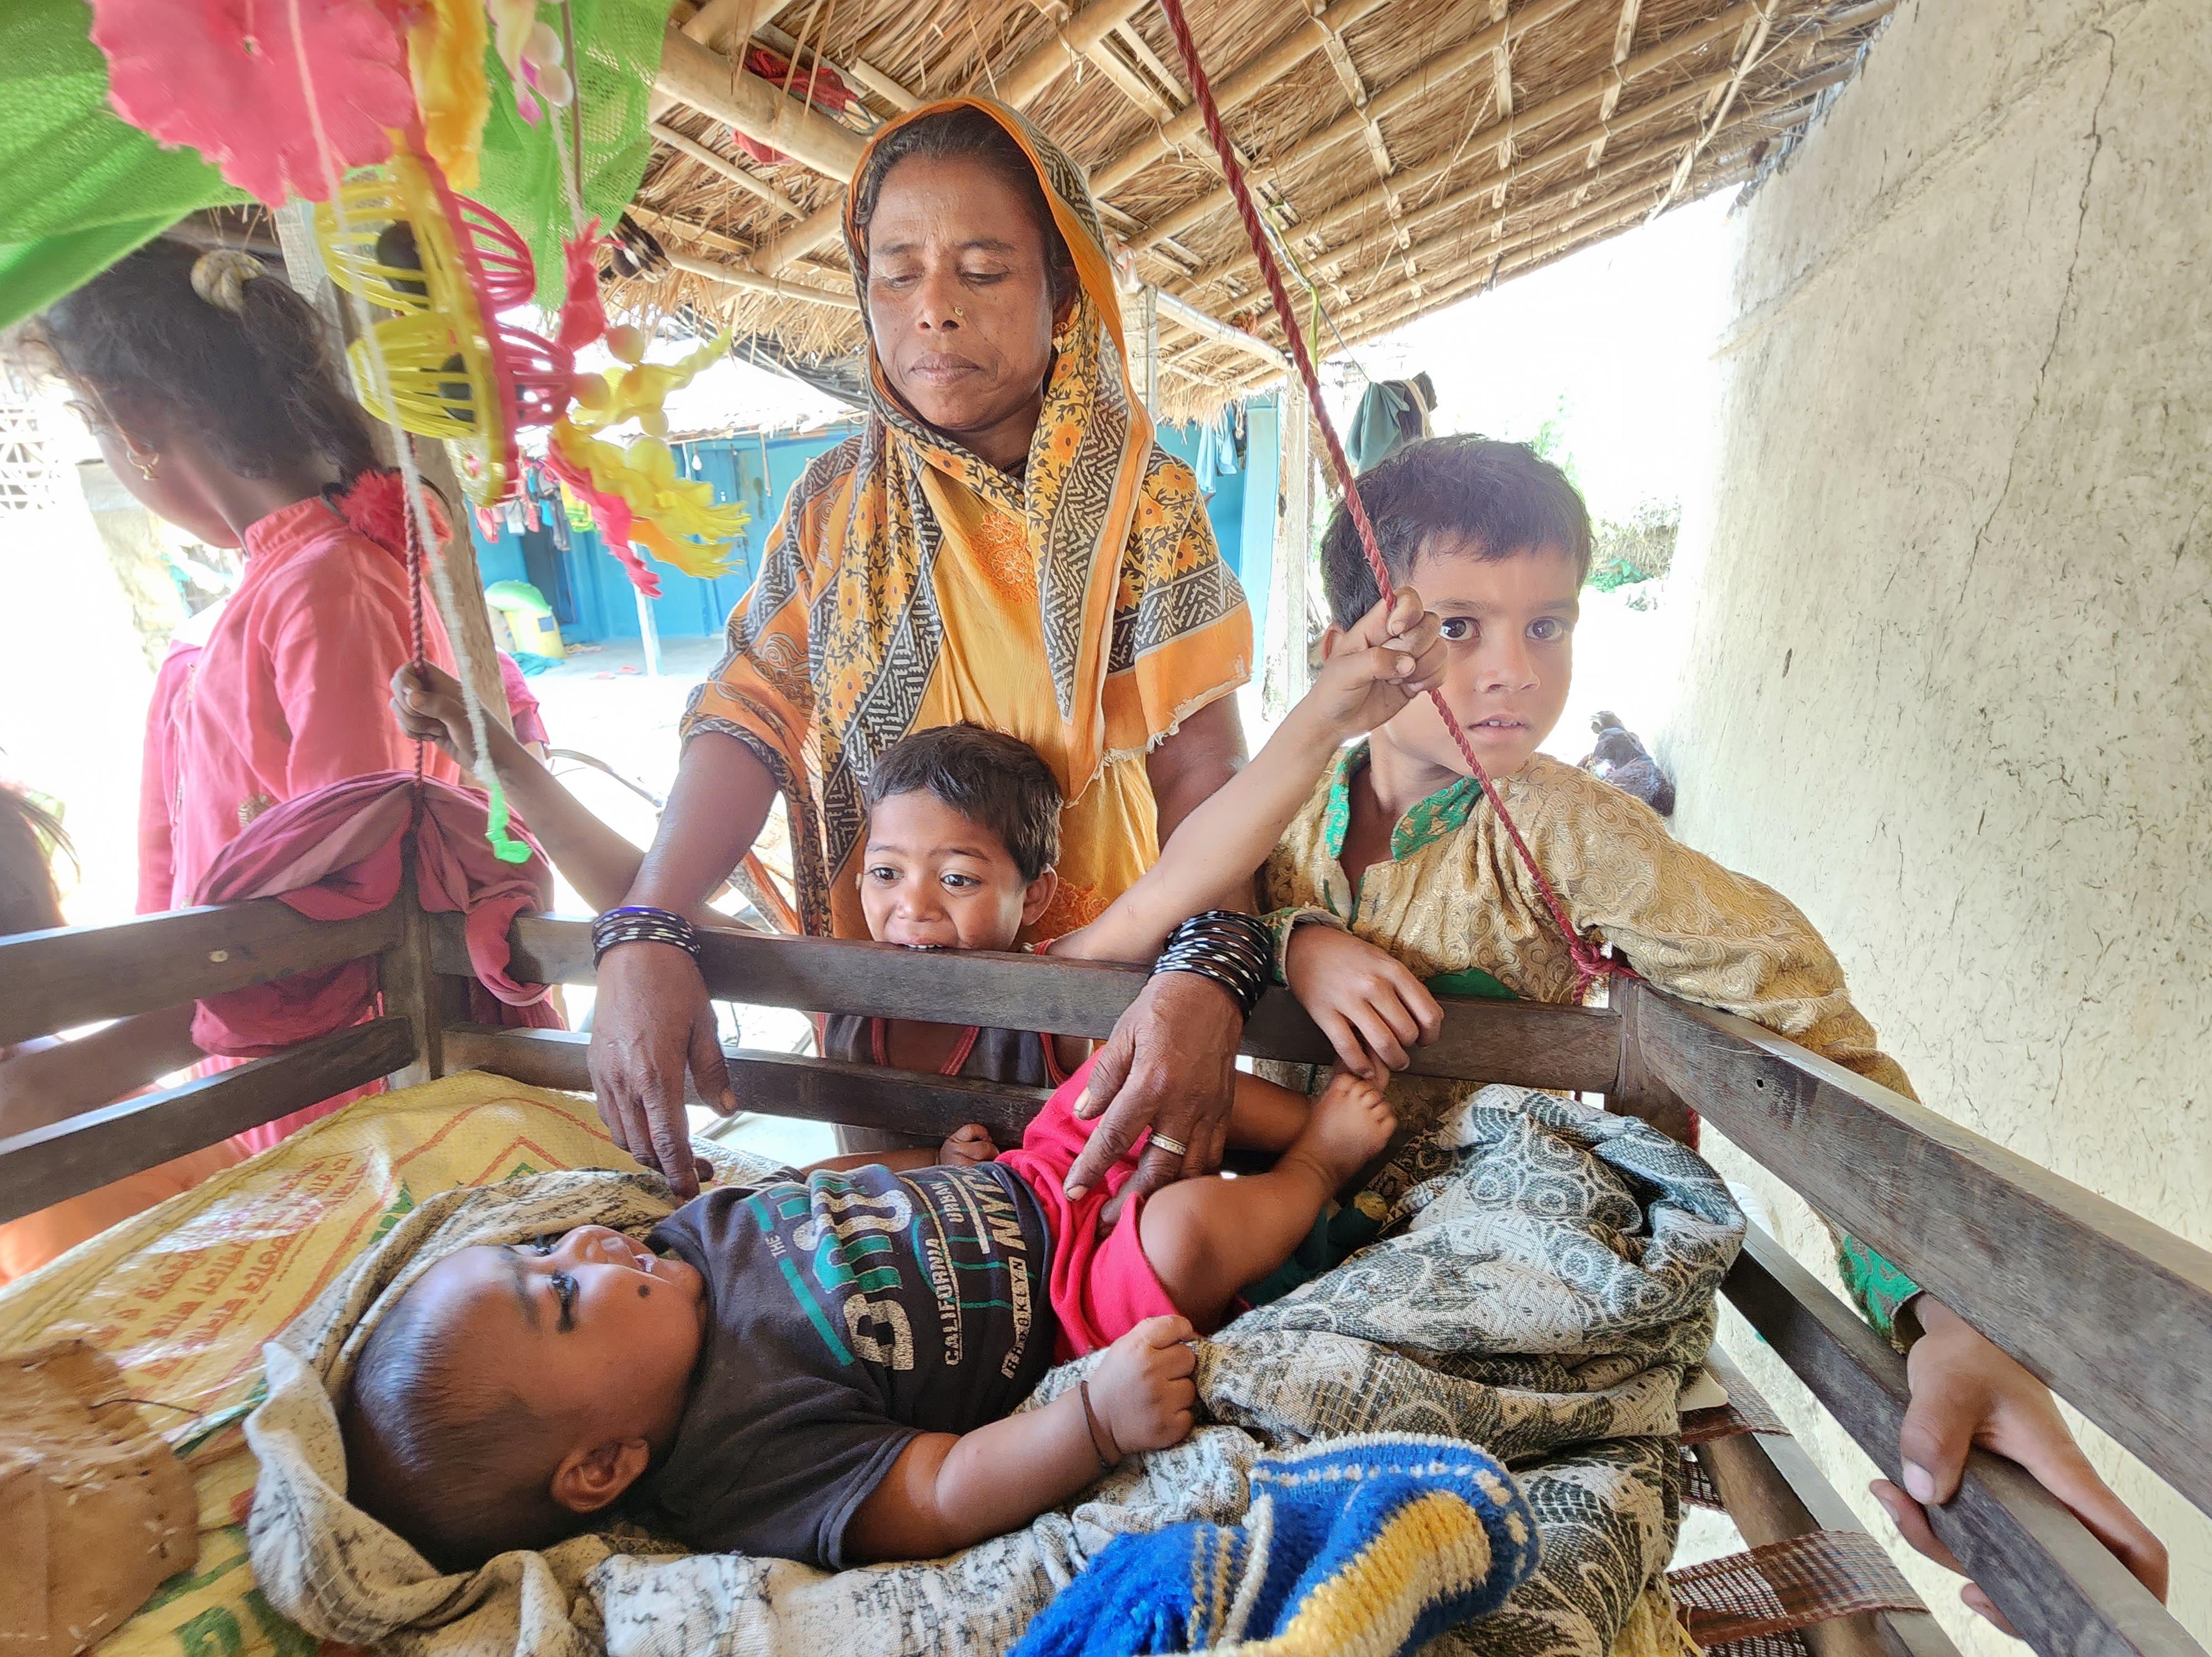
213	395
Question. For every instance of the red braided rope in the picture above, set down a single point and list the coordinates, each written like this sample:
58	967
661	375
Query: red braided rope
417	635
1590	962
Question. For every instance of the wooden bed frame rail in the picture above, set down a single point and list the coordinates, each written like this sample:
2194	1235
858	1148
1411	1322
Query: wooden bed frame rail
2113	1312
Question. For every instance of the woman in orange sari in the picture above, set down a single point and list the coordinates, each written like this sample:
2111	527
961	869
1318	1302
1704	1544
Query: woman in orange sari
1003	542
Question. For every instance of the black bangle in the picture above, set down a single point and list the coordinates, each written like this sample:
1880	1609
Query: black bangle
1236	951
1090	1419
640	924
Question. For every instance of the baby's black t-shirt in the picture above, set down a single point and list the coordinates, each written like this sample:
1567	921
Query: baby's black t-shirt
848	1313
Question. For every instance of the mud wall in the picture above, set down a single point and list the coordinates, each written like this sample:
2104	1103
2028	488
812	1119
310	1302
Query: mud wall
1950	663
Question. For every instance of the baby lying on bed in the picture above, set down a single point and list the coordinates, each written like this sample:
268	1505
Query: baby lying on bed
820	1370
824	1368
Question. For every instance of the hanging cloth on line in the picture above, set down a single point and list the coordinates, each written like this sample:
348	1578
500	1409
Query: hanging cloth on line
1220	447
1392	413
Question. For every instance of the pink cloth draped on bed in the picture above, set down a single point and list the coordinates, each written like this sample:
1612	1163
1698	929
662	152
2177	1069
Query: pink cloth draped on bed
337	853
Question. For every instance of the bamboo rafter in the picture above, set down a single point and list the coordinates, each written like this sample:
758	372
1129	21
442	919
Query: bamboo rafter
1492	133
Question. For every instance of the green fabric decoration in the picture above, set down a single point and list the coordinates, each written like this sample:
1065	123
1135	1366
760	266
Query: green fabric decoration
618	55
79	186
504	846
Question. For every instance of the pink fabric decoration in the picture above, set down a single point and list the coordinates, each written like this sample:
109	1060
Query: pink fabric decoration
376	506
583	317
336	853
223	77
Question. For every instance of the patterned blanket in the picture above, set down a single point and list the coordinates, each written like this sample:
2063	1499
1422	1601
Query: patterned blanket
1547	1274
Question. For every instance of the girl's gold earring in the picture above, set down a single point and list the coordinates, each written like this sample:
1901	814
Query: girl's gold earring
146	463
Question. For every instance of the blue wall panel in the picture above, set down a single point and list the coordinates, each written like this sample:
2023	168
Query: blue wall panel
595	604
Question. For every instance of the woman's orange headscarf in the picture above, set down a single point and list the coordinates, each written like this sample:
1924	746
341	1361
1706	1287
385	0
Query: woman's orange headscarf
833	651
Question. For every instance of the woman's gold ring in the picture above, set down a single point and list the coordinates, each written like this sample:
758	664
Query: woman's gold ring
1173	1147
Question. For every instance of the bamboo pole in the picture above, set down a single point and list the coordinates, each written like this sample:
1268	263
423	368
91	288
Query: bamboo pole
809	282
1129	82
717	23
1355	208
715	161
1239	87
1399	95
1555	245
1745	57
1858	17
1039	68
1209	327
473	620
711	83
752	282
716	86
817	229
891	92
1496	249
1482	190
1295	547
1623	37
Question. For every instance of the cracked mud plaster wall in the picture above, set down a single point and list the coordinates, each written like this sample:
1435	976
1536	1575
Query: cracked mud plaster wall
1950	680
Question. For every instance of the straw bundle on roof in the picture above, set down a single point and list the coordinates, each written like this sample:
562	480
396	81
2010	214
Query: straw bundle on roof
1410	152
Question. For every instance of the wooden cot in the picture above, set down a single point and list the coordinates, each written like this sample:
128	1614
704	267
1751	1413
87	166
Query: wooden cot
2114	1313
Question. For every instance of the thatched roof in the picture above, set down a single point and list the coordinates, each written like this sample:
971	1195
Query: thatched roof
1412	151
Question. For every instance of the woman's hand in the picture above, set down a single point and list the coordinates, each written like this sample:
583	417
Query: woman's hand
1968	1394
427	702
1143	1388
1393	653
967	1147
1368	1004
652	1024
1170	1065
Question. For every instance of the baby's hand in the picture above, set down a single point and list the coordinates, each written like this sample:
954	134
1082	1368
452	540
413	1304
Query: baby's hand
1142	1388
427	702
1393	653
1370	1008
967	1146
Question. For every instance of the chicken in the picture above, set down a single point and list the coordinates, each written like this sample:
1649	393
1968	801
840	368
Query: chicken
1622	760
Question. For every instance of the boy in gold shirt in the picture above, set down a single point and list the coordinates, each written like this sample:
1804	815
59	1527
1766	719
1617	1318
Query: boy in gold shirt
1396	880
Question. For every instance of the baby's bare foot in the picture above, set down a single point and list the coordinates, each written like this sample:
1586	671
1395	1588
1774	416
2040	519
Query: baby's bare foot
1350	1121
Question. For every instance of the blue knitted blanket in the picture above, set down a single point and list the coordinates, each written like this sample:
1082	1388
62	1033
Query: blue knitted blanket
1376	1544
